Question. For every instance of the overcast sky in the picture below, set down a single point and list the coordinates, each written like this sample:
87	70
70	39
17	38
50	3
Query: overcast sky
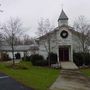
30	11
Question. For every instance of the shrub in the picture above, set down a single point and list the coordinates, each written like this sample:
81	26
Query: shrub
81	58
87	59
52	57
5	57
78	59
38	60
17	55
27	58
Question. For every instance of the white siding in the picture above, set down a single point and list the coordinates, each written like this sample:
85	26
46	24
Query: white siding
76	44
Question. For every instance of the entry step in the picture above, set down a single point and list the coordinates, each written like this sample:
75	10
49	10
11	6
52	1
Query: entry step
68	65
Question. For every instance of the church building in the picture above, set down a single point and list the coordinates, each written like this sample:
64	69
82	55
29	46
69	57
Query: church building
62	40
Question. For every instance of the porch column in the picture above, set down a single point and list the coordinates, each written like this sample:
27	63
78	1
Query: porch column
71	53
58	57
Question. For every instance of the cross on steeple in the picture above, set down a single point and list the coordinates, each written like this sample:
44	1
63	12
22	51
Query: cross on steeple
62	4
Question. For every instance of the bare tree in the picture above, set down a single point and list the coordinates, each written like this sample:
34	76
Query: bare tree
1	39
18	41
44	33
1	35
27	40
83	28
12	30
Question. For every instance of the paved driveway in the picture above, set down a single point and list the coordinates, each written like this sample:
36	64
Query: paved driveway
7	83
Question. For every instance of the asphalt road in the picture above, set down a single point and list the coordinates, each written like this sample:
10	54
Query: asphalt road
7	83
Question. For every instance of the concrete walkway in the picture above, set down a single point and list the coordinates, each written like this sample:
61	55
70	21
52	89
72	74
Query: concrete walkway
71	80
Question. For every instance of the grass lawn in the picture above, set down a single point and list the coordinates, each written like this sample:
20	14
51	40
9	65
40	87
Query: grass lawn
39	78
86	71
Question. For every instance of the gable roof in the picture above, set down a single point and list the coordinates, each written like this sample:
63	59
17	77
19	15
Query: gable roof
63	16
49	33
71	29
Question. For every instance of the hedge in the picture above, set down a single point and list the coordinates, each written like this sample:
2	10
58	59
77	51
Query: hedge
81	58
53	58
27	58
17	55
5	57
38	60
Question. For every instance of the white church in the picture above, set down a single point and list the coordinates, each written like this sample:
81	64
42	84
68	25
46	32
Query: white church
63	40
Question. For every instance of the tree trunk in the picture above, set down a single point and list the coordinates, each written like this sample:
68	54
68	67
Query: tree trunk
49	60
13	55
83	55
13	49
49	63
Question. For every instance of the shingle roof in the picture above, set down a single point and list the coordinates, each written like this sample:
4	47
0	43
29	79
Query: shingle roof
63	16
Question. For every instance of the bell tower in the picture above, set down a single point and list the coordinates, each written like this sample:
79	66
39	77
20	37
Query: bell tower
63	19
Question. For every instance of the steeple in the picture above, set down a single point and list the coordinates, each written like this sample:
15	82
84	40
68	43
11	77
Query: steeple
63	19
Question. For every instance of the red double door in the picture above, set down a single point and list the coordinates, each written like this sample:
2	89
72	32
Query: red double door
64	54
